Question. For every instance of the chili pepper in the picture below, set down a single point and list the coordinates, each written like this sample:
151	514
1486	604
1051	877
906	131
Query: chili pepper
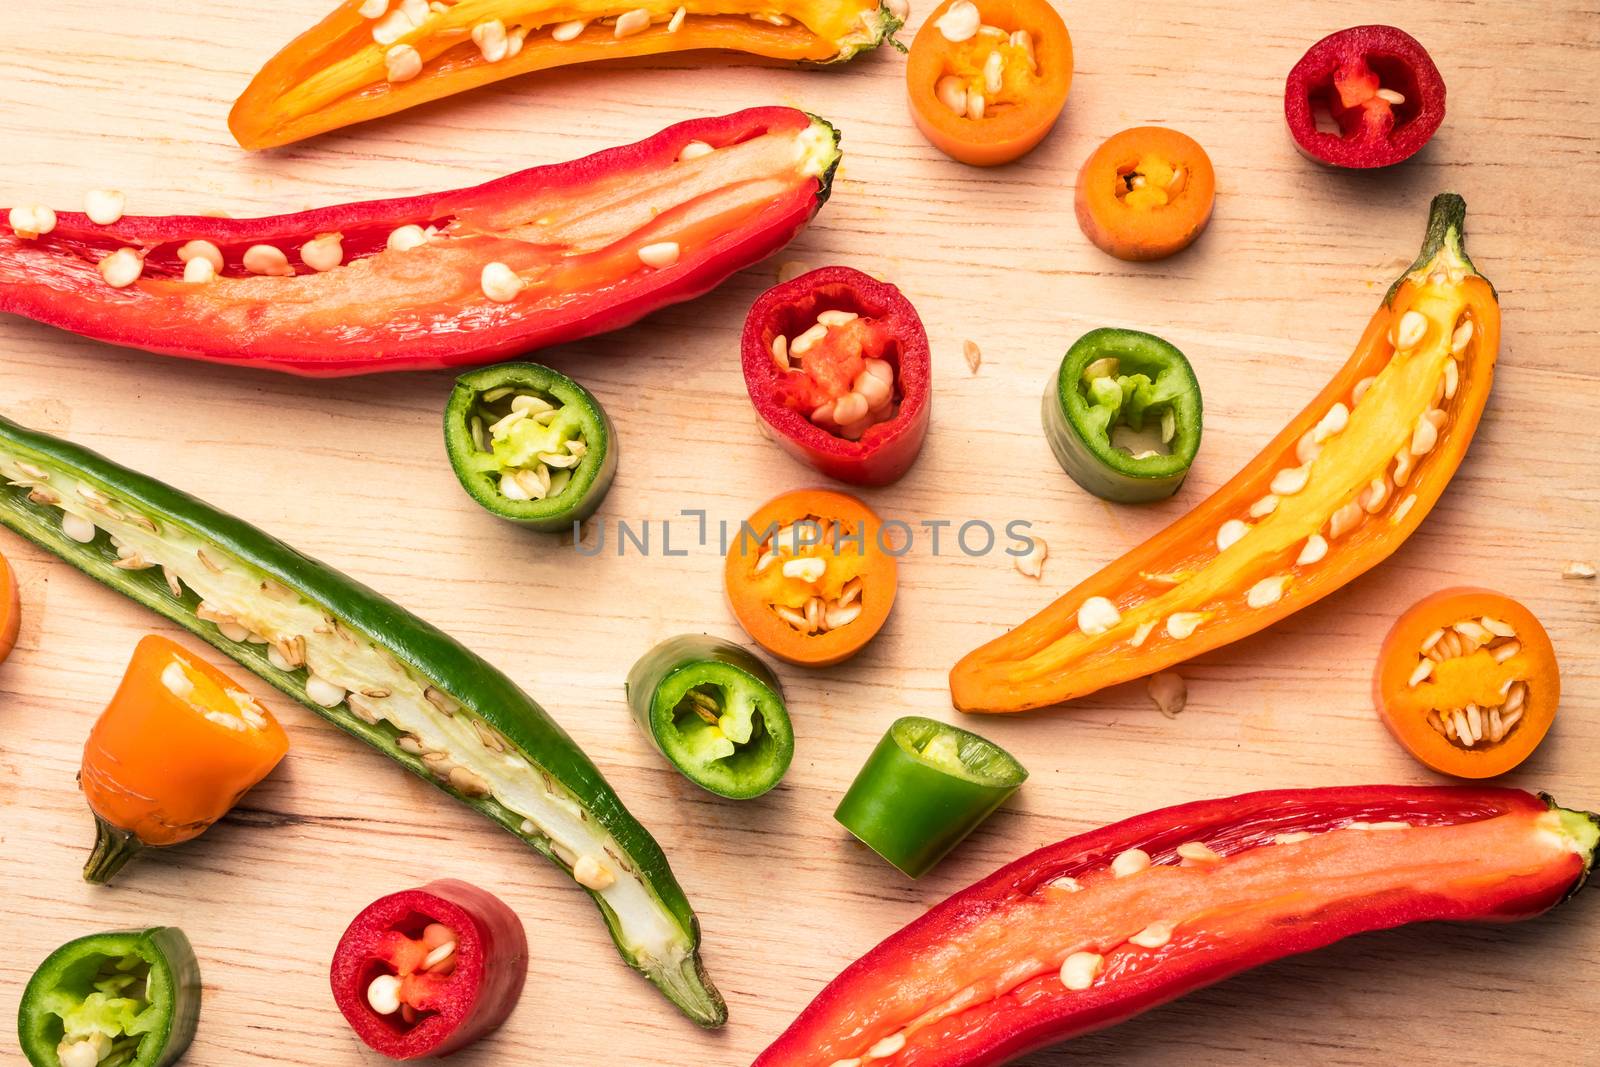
364	61
1378	84
1467	681
539	258
988	79
924	789
1123	415
371	668
1103	926
128	998
716	712
429	971
10	610
1333	495
810	577
530	444
837	367
173	752
1145	193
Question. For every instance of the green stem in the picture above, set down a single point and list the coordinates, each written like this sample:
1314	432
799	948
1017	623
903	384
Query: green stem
1445	240
113	848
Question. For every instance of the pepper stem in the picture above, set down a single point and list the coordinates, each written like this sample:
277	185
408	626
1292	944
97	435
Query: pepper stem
113	848
1445	244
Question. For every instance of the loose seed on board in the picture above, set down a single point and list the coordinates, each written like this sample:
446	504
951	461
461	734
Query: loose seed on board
660	255
501	284
1580	570
122	268
1097	615
267	259
632	22
1031	563
1130	862
1080	970
104	206
1169	691
1316	547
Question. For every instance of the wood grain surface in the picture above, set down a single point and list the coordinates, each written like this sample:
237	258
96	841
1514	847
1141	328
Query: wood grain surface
134	95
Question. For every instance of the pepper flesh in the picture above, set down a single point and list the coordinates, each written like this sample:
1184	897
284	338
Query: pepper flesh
1467	681
842	584
129	998
716	712
448	1004
1354	76
172	753
575	236
10	610
530	444
1008	104
925	787
397	683
983	977
1114	380
1330	497
338	72
1146	193
883	444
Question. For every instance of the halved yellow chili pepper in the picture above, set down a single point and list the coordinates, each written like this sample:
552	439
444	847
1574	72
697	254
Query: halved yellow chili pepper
374	57
173	752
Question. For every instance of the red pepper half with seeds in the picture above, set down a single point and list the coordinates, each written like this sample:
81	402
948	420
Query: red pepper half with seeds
1377	84
1103	926
838	368
428	971
542	257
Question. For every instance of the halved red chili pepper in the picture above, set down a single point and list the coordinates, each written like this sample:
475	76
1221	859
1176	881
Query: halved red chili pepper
541	257
1378	84
428	971
837	366
1103	926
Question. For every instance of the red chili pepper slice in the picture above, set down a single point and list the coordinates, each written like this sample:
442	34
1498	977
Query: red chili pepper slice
837	367
541	257
404	989
1103	926
1378	84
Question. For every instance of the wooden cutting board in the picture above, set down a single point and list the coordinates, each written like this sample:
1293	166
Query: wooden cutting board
134	95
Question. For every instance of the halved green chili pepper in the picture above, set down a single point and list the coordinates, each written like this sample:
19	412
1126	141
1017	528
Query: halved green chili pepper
530	444
370	667
716	712
1122	415
924	788
129	998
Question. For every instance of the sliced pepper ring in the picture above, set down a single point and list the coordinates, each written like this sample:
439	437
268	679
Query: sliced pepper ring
1381	88
530	444
810	578
1123	380
716	712
835	338
428	971
1467	681
926	786
987	85
1145	193
129	997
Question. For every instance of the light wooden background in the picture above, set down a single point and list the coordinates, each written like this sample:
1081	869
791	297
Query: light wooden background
134	94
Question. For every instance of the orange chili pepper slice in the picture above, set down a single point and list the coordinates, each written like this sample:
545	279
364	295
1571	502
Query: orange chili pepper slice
173	752
10	610
1467	681
1146	193
990	98
810	578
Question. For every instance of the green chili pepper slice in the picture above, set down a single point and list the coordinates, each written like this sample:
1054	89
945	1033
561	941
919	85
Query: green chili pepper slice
370	667
129	998
530	444
1123	415
924	788
716	712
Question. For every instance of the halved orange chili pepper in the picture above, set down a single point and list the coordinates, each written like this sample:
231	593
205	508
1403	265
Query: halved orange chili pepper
1333	495
173	752
10	610
810	577
1467	681
1146	193
987	79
